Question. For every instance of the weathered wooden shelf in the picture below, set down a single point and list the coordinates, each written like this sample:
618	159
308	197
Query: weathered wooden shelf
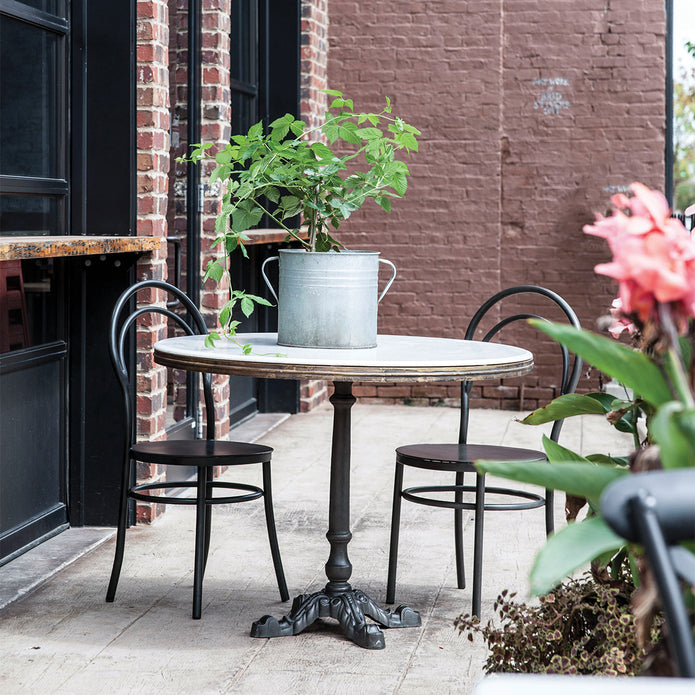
23	247
270	236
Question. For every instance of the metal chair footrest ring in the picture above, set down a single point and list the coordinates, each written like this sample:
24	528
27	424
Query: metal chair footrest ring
416	494
140	492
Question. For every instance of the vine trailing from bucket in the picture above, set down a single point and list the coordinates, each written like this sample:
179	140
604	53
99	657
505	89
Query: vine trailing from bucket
290	174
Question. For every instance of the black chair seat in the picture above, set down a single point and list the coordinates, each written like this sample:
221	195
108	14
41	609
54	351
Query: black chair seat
196	452
459	458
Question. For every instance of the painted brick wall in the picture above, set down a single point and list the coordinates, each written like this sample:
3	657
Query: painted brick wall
532	114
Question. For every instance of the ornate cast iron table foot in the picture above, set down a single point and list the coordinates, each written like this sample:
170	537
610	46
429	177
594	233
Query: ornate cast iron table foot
349	608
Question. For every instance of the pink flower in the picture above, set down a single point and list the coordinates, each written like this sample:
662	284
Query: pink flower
620	323
653	255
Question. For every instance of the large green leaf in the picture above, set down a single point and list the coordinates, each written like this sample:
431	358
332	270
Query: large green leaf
673	429
579	478
557	453
566	406
630	367
569	549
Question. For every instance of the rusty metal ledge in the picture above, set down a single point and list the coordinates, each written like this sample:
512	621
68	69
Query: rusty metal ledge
22	247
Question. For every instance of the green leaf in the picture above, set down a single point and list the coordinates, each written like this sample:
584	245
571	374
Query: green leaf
630	367
246	305
245	216
259	300
210	339
214	270
348	132
256	130
331	130
569	549
607	460
400	184
322	152
384	202
297	128
673	429
566	406
272	193
370	133
225	313
579	478
557	452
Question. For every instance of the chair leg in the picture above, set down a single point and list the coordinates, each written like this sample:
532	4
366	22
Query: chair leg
478	542
549	511
199	561
120	534
272	533
458	533
395	530
209	475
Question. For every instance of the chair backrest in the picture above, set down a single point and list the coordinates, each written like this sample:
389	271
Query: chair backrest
571	364
123	320
657	509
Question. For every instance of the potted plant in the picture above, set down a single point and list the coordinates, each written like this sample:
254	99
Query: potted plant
290	173
654	265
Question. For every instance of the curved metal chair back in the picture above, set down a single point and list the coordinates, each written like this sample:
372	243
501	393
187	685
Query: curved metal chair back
118	334
571	368
460	459
657	509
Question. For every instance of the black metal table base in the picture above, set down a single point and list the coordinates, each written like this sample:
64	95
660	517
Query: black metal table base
349	608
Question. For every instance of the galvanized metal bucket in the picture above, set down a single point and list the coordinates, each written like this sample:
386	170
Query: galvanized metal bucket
328	300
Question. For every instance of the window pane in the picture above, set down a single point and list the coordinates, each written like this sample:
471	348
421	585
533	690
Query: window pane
29	292
56	7
29	101
25	215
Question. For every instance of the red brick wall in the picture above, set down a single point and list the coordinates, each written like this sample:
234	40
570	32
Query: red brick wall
531	114
152	94
313	104
215	128
314	61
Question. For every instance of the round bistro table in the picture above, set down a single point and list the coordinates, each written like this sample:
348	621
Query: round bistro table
395	359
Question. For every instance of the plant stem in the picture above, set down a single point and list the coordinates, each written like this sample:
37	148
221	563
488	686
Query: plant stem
674	359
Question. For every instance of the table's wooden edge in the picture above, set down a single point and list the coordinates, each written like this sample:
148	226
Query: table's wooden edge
26	247
269	370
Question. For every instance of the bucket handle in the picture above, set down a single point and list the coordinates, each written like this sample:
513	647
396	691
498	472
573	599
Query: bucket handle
265	277
391	279
381	260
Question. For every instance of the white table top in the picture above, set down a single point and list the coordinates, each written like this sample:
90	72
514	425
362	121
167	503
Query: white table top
395	358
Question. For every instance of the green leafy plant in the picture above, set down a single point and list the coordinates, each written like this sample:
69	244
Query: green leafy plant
289	172
654	263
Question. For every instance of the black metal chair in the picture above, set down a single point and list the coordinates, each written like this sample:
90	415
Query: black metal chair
204	454
460	458
657	509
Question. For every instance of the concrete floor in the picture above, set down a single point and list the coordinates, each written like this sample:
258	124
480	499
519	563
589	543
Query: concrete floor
61	637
